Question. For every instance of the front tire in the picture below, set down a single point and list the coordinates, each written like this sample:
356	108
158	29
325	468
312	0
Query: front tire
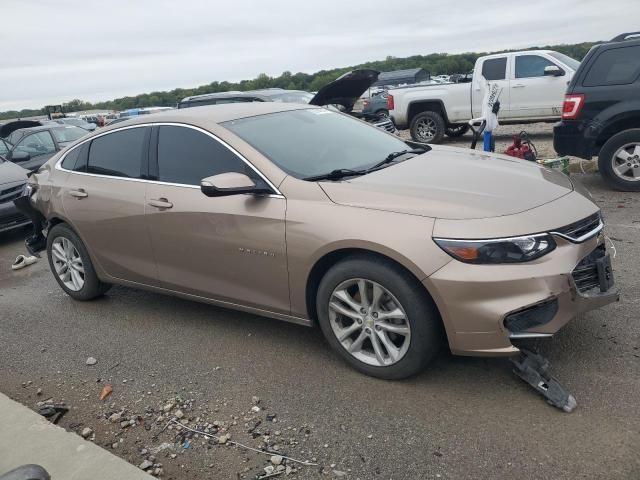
619	161
455	131
427	127
71	265
378	318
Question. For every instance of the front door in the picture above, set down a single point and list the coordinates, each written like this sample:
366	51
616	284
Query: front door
534	94
225	248
104	198
493	71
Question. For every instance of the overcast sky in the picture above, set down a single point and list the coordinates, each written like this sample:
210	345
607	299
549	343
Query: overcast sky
57	50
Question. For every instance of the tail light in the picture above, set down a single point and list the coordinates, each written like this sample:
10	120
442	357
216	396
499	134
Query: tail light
572	106
390	104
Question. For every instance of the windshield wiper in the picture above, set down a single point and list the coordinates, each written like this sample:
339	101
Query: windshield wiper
347	172
392	156
336	174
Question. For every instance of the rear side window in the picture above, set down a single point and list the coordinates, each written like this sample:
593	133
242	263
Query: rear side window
186	156
76	159
118	154
528	66
495	68
617	66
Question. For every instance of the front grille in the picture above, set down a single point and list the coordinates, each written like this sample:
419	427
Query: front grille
12	220
386	124
577	230
11	193
585	275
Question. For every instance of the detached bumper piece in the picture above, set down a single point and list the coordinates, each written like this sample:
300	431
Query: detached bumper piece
534	369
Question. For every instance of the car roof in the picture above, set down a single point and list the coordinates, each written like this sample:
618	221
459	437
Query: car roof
204	116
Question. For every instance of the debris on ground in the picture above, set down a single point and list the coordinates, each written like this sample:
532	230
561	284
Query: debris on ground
91	361
86	432
106	391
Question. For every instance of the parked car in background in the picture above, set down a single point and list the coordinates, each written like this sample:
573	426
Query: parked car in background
264	95
377	104
12	181
532	83
34	146
343	93
319	218
76	122
601	113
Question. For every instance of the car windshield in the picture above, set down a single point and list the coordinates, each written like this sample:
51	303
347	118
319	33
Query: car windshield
568	61
74	121
68	134
292	97
312	142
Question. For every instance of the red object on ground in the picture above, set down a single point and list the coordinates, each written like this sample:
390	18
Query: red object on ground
518	149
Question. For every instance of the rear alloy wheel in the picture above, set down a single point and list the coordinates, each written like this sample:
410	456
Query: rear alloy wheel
619	161
378	317
455	131
427	127
71	265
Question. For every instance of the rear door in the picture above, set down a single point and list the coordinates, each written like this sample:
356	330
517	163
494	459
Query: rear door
104	199
494	70
534	94
229	248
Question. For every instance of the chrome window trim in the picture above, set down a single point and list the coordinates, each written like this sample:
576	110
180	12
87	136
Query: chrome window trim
58	165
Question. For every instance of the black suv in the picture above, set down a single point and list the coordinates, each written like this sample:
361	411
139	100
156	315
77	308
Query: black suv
601	112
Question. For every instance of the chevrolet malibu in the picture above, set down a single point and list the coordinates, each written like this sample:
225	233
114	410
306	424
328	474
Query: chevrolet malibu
307	215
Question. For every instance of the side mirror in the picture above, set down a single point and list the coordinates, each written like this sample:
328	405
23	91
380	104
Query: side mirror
553	70
19	156
230	183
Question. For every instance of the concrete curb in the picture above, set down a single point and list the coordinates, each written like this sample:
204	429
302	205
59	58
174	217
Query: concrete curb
26	437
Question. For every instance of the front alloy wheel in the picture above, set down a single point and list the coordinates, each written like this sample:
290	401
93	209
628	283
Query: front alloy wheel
369	322
67	263
626	162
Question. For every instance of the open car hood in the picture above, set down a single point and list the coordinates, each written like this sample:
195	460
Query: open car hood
8	128
346	89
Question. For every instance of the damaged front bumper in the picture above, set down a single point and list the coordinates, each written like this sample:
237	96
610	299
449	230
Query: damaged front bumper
486	308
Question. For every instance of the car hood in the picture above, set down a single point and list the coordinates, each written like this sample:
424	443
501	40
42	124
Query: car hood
10	172
453	183
346	89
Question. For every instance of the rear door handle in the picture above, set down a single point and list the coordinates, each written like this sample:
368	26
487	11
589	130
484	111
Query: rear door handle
160	203
518	85
78	193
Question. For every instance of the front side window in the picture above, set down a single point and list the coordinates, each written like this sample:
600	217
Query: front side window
39	143
310	142
528	66
4	148
618	66
495	69
118	154
186	156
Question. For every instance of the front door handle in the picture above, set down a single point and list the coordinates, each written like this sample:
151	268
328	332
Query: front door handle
160	203
518	85
78	193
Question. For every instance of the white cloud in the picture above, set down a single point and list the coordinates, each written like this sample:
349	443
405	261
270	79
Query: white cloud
54	51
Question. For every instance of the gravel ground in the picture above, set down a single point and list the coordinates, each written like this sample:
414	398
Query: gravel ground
462	418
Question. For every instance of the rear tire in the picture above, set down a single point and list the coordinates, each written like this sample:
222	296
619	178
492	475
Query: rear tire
402	306
71	264
427	127
619	161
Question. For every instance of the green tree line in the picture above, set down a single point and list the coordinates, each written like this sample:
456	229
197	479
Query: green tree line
435	64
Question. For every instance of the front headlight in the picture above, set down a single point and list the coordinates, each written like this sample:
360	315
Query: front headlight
498	250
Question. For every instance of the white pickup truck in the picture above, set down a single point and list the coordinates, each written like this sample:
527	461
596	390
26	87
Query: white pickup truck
532	86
